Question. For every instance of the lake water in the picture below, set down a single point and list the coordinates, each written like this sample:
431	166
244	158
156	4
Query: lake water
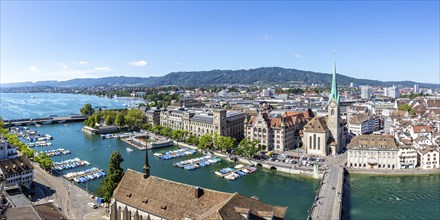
368	197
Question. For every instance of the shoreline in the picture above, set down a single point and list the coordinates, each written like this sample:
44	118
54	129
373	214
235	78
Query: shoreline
414	172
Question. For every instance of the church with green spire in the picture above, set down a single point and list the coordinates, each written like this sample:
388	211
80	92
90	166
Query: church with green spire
323	135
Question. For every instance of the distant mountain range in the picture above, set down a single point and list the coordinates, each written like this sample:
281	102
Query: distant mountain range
263	75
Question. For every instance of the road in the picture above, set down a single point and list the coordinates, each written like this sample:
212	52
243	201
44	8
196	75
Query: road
328	201
70	198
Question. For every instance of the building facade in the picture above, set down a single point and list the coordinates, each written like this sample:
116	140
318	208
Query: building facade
363	124
326	135
429	157
279	133
17	171
218	121
7	151
407	157
373	152
152	116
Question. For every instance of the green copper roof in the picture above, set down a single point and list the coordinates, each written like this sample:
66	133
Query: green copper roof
334	93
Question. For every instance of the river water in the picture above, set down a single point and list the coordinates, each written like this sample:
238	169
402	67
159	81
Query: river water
369	197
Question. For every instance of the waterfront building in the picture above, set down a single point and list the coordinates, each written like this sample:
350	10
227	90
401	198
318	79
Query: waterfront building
407	157
325	135
429	157
152	116
373	152
363	124
141	196
218	121
17	171
280	132
7	151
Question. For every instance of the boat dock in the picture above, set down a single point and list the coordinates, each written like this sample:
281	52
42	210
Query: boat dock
56	152
236	172
195	163
85	175
69	164
175	154
39	144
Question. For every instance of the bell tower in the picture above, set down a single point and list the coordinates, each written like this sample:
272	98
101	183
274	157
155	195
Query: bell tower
334	118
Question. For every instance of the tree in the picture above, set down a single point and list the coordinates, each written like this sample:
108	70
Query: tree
205	141
215	141
193	140
134	118
156	129
114	176
120	119
44	161
407	108
248	148
28	152
87	109
227	143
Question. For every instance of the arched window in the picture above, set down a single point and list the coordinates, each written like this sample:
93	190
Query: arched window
319	143
310	142
333	112
314	141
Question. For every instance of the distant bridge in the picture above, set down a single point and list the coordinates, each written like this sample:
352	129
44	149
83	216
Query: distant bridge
45	120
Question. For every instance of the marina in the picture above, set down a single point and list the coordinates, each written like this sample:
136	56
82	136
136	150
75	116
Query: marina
198	162
85	175
236	172
97	151
55	152
40	144
69	164
175	154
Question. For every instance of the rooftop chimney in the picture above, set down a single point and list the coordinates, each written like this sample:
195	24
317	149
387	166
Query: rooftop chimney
146	165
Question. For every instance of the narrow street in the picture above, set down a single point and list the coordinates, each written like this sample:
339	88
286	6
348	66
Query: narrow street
70	198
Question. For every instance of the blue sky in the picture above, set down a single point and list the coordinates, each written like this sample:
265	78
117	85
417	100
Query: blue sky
62	40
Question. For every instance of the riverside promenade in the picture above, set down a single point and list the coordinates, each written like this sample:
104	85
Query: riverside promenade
328	200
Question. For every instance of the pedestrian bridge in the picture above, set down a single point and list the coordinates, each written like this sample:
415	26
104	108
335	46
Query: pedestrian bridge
328	200
46	120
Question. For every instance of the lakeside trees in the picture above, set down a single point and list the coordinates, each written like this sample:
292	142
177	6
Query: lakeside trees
114	176
132	118
87	109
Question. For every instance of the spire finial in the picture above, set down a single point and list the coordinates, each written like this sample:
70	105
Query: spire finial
334	90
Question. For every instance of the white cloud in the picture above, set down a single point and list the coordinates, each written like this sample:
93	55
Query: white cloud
34	69
102	68
138	63
298	56
80	62
62	65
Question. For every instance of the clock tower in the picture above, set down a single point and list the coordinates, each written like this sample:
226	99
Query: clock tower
334	118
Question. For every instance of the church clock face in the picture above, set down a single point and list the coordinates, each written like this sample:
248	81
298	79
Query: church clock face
332	104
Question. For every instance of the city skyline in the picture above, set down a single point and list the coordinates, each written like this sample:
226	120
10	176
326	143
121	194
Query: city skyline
388	41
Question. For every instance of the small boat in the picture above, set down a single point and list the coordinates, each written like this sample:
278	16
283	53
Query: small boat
239	166
129	149
38	125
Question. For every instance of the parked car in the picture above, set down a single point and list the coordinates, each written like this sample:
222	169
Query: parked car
92	205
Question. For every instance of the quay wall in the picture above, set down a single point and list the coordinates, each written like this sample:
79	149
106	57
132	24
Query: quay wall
264	164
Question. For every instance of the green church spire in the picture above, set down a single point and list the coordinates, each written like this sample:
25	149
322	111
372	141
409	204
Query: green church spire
334	93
